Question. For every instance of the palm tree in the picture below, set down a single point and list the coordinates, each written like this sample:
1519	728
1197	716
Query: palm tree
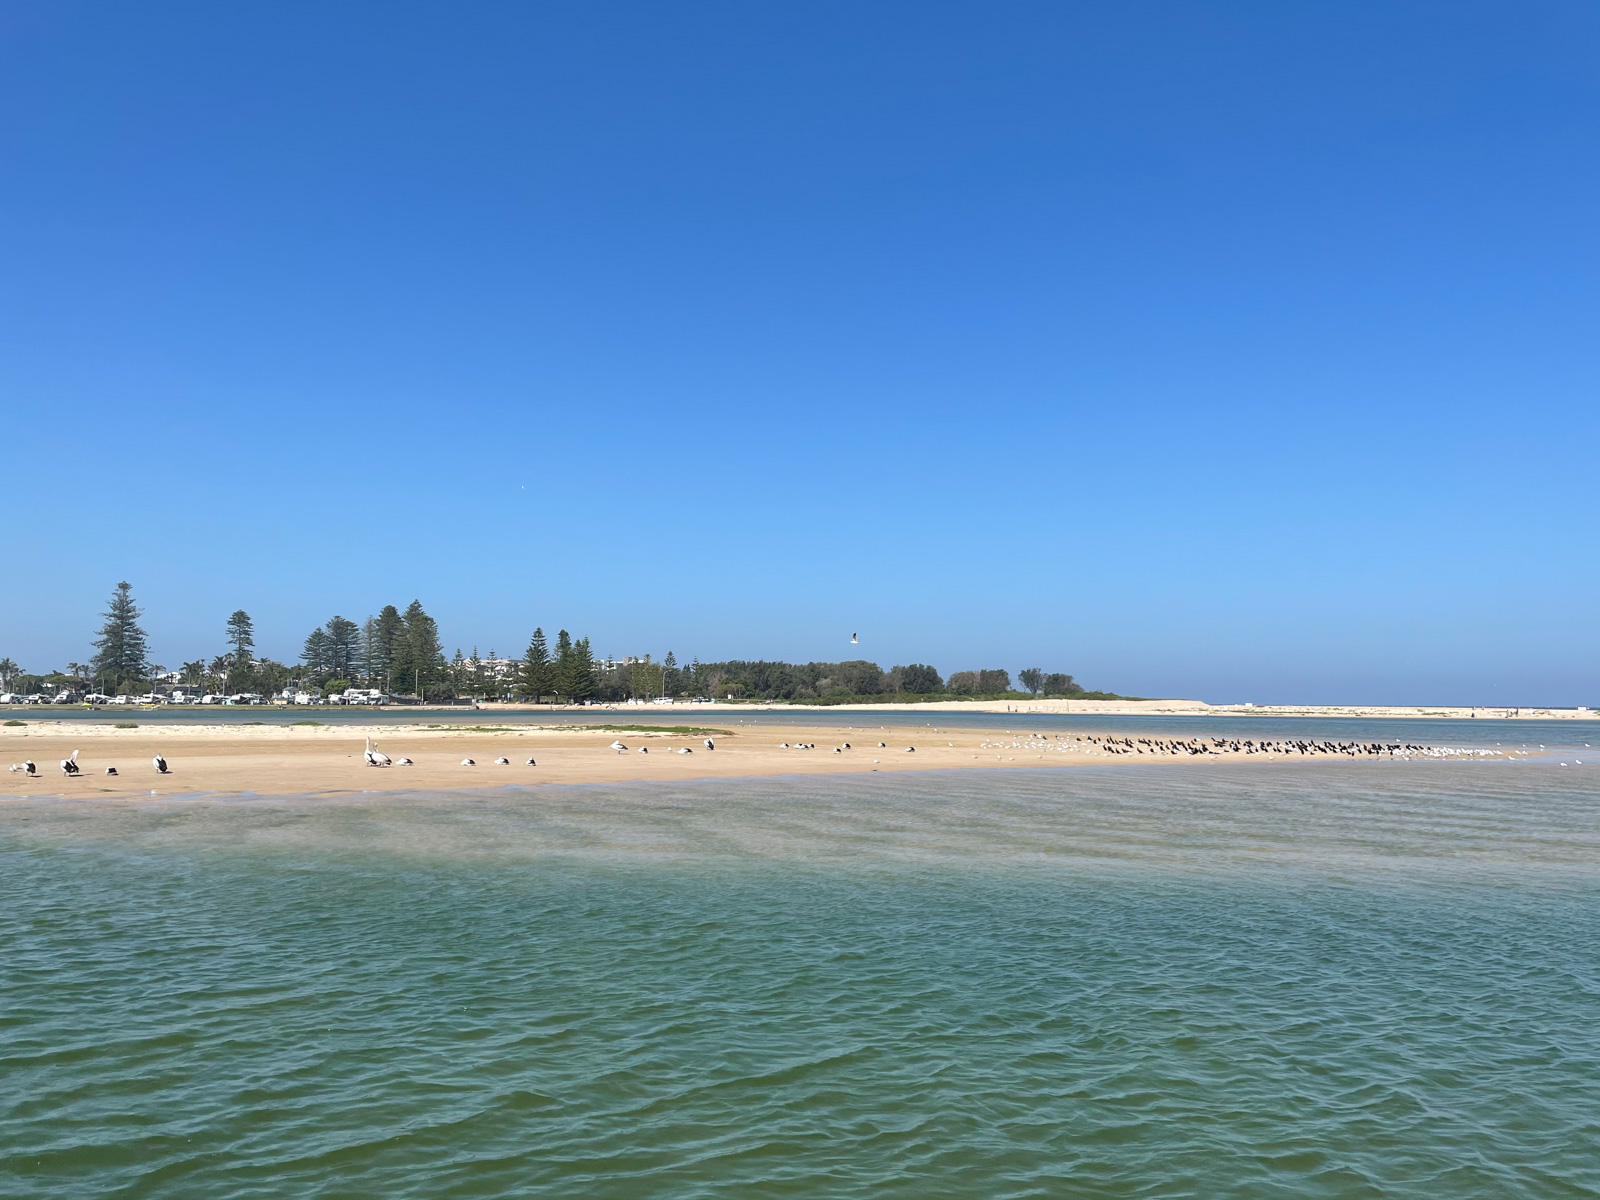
8	671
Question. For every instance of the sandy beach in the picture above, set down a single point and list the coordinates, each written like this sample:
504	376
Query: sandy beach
284	760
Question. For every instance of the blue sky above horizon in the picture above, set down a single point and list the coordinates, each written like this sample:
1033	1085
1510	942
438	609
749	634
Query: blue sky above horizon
1237	351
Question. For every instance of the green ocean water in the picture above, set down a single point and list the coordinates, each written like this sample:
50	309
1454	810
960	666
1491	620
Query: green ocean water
1303	980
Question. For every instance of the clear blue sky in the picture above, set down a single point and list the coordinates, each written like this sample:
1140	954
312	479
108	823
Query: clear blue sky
1238	351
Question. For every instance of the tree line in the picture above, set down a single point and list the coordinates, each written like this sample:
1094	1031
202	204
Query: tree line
400	653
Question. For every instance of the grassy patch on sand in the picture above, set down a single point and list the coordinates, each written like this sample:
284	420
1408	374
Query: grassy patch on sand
126	725
16	722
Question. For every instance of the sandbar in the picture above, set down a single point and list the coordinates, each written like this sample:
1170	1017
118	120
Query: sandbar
292	760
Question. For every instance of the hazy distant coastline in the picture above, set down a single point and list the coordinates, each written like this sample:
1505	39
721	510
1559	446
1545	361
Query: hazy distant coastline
1195	708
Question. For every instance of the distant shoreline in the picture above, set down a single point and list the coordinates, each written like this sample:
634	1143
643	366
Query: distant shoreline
1118	708
726	710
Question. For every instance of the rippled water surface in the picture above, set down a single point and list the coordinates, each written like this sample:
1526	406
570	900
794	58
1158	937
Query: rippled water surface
1305	980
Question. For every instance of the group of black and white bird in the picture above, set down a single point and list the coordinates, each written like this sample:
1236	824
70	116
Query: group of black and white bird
1217	745
621	748
69	767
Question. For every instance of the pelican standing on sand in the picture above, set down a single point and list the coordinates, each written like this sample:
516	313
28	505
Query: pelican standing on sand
160	764
69	766
374	756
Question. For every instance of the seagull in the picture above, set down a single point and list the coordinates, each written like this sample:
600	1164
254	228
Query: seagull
69	766
374	756
710	745
160	764
467	762
854	640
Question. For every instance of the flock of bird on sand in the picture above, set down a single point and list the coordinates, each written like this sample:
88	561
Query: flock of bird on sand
372	756
69	767
1094	744
1099	744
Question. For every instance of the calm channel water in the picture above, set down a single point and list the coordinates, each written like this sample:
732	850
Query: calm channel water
1354	979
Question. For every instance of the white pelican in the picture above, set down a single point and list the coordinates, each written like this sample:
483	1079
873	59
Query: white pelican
880	746
160	764
618	747
710	745
502	761
854	640
69	766
911	749
644	749
402	762
847	745
29	769
111	770
467	762
531	763
374	756
684	750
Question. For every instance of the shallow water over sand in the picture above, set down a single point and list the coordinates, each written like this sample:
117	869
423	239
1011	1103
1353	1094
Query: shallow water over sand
1343	980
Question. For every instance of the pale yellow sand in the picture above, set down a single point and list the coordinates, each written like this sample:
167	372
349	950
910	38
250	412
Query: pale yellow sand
283	760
